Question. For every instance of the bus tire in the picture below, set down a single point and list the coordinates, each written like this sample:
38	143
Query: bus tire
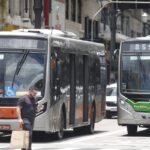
132	130
60	133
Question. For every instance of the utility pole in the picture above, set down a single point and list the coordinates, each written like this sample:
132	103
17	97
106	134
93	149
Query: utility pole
37	11
113	36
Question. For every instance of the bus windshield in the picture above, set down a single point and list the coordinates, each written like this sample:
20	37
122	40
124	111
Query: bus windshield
30	72
135	73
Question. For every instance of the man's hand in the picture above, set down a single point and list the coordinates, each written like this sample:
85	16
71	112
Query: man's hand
19	116
40	107
21	123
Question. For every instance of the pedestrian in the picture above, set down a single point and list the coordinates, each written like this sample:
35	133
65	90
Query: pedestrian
26	111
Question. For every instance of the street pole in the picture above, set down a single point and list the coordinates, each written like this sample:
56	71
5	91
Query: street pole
144	26
113	37
37	10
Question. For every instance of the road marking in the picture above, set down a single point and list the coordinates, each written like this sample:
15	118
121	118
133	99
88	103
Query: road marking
68	149
47	148
84	138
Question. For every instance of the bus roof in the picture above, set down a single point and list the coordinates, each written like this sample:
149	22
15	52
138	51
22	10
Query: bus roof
47	32
37	33
16	33
57	34
146	38
43	33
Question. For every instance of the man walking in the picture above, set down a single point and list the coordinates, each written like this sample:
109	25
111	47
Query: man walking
26	111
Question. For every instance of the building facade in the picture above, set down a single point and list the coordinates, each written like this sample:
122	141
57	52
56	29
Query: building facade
85	18
74	16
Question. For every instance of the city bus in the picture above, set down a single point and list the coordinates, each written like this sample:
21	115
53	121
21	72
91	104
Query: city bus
134	84
69	73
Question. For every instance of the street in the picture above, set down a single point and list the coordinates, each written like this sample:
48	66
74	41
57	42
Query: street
108	136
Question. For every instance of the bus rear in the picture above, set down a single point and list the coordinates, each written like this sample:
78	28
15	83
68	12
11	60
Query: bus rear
22	65
134	84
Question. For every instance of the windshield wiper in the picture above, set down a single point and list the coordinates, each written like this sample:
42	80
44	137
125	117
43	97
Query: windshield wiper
19	65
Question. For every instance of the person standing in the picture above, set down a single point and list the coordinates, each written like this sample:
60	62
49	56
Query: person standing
26	111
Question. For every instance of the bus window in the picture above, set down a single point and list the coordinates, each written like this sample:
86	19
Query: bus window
29	74
60	74
65	74
79	74
54	76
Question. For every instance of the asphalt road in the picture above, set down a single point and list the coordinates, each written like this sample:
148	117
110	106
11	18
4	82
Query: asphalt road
108	136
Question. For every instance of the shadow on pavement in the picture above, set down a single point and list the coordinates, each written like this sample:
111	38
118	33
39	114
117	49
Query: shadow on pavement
143	133
43	137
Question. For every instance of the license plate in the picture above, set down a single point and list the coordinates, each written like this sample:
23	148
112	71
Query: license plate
5	127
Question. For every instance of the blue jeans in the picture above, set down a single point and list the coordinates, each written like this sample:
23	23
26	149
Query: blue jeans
28	126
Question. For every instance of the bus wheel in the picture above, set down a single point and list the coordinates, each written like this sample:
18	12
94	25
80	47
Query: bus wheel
60	133
132	130
90	128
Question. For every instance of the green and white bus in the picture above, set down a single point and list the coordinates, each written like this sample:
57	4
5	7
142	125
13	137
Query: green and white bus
70	75
134	84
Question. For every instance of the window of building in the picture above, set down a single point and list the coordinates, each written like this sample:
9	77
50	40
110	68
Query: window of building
50	6
126	26
10	7
67	9
86	27
26	6
73	10
79	10
95	29
21	11
138	34
103	16
30	8
132	33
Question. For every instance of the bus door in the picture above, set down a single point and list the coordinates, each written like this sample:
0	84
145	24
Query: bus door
85	87
72	89
79	89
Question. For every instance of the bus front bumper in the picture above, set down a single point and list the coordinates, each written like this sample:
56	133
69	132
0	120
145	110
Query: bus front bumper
131	117
9	125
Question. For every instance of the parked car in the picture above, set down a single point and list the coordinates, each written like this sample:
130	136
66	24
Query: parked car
111	100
